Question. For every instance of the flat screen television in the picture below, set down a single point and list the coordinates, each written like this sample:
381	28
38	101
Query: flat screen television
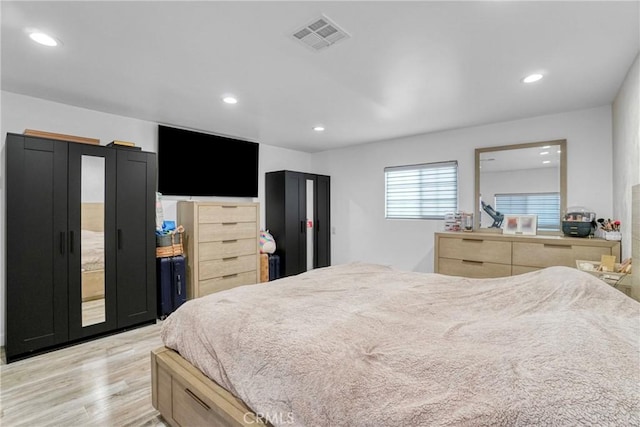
193	163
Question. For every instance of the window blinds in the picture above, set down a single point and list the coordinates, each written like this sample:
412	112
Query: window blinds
425	191
545	205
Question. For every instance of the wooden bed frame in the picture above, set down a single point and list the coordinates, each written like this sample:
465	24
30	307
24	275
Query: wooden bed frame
185	396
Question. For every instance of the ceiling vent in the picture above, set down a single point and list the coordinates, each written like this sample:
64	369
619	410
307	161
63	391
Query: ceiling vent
320	33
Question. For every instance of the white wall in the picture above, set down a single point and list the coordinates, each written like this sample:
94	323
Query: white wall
626	150
19	112
357	181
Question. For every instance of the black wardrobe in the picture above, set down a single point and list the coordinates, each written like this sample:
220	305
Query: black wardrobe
80	242
297	206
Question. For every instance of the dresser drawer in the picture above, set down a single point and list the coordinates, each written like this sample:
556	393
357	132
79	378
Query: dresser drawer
223	213
218	284
475	250
476	269
227	231
227	248
227	266
550	254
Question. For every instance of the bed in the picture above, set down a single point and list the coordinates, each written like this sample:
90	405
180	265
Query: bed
365	344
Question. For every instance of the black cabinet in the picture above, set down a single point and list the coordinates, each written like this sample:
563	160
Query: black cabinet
297	206
71	206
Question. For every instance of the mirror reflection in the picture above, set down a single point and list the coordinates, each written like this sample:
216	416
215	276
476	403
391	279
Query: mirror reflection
92	240
524	179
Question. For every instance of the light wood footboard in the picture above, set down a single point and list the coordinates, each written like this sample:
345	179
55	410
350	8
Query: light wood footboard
186	397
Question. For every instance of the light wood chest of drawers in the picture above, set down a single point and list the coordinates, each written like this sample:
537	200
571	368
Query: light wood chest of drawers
221	245
484	255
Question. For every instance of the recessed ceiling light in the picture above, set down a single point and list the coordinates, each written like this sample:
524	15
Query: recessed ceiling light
229	99
318	128
43	39
544	153
532	78
546	146
546	161
559	151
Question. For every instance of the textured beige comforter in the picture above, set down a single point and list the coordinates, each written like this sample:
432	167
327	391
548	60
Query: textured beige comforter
364	345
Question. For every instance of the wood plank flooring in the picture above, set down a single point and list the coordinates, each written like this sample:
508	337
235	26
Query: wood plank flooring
105	382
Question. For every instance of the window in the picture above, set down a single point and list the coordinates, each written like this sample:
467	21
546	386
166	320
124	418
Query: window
545	205
426	191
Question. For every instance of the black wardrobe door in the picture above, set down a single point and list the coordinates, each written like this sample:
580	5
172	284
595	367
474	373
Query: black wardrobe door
322	256
135	237
36	301
295	225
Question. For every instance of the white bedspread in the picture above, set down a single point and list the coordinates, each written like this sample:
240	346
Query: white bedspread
367	345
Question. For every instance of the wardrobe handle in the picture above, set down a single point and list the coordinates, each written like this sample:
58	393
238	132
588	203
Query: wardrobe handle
302	226
317	225
62	242
179	283
119	237
71	238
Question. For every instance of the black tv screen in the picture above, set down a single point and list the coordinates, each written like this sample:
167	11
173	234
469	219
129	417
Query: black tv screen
199	164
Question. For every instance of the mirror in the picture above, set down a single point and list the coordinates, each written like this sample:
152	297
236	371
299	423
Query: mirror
521	179
310	220
92	240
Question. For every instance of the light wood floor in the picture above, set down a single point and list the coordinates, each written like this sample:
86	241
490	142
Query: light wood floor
105	382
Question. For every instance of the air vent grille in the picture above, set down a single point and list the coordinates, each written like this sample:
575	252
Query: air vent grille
320	33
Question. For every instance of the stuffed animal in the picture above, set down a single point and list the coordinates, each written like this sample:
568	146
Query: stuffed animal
267	244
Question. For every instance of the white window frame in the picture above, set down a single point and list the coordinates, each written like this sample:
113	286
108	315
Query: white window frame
422	191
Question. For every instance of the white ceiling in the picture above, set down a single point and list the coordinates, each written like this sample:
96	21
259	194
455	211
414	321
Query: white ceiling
408	67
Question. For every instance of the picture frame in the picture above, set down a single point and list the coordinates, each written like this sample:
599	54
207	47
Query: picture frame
520	224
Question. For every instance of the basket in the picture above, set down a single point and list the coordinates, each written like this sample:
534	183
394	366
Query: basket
171	245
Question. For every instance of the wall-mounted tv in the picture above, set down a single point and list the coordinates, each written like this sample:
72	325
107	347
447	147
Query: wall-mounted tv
193	163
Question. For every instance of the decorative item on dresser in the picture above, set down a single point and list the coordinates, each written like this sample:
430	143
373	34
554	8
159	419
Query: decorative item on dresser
80	242
496	255
221	245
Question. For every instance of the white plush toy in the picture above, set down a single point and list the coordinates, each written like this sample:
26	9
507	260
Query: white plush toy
267	244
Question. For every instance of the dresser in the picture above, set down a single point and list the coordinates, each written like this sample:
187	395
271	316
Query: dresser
221	245
483	255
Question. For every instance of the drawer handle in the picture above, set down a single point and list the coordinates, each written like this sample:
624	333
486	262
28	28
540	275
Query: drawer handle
229	223
468	261
197	399
551	245
231	258
228	276
229	241
228	207
472	240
